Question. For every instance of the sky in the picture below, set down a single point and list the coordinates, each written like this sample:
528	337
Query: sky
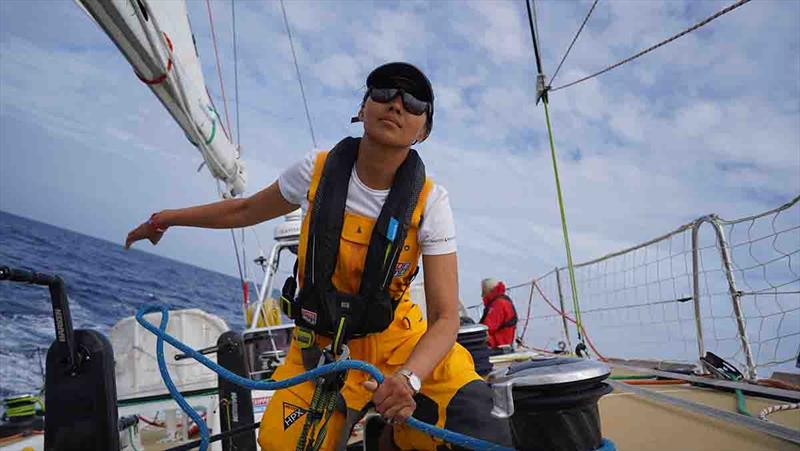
707	124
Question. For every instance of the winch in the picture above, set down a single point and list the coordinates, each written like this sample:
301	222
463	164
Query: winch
552	402
474	338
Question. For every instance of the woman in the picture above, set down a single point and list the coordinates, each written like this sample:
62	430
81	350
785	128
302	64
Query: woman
427	373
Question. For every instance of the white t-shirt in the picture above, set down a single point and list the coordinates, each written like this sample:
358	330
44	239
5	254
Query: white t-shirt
436	236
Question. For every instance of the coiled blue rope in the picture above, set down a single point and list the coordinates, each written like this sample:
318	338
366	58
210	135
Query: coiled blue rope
161	333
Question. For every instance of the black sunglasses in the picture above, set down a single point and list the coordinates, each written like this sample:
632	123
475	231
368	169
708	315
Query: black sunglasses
412	104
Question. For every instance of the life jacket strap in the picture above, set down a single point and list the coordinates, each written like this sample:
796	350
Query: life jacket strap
512	322
325	398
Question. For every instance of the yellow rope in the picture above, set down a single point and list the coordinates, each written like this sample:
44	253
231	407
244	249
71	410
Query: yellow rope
21	406
228	416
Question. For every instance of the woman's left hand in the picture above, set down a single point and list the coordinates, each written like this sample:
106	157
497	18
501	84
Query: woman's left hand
393	399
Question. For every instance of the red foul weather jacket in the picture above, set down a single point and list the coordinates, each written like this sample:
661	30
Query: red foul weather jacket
500	316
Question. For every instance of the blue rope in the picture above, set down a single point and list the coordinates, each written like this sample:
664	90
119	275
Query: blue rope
162	367
161	333
342	365
607	445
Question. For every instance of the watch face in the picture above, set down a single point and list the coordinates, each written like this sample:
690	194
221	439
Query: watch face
415	384
413	380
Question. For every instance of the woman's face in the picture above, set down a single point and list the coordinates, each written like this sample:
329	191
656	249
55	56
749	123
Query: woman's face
390	124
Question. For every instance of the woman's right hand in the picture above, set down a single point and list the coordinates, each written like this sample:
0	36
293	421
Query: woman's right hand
145	230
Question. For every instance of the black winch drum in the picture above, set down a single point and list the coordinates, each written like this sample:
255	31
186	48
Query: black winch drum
552	403
474	338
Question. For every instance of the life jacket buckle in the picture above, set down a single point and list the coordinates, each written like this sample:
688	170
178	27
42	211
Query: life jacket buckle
328	356
305	338
289	304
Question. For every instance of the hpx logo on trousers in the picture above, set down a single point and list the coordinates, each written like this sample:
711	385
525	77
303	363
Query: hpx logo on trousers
291	413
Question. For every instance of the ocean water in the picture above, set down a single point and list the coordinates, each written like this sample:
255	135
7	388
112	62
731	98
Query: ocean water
105	283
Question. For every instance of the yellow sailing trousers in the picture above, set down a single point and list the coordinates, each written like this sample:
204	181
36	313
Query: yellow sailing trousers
284	418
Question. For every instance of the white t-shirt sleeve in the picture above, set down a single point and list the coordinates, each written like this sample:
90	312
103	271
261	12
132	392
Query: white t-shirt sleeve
437	236
295	181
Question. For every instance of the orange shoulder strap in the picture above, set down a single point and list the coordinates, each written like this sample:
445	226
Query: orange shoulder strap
316	175
416	217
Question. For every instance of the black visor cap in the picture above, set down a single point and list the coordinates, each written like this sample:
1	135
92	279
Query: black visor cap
406	77
403	76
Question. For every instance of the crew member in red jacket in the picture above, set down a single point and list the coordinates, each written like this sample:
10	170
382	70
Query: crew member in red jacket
499	313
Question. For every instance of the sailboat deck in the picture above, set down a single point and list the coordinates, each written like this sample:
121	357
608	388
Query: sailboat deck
636	423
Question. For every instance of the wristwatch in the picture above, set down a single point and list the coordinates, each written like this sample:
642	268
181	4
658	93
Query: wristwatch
413	380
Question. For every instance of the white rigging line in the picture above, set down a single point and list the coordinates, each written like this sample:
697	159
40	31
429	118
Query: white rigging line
586	19
219	71
650	49
299	78
236	78
235	249
238	261
242	279
238	128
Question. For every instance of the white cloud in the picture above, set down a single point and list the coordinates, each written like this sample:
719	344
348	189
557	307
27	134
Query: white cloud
339	72
698	118
306	16
499	31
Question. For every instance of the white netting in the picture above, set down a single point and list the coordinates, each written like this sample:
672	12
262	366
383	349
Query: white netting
632	302
639	303
539	324
765	259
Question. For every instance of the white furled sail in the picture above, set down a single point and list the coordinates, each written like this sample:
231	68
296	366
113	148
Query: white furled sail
156	38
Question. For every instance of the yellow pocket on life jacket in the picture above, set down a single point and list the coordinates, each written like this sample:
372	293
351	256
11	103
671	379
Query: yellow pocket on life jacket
353	246
357	229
